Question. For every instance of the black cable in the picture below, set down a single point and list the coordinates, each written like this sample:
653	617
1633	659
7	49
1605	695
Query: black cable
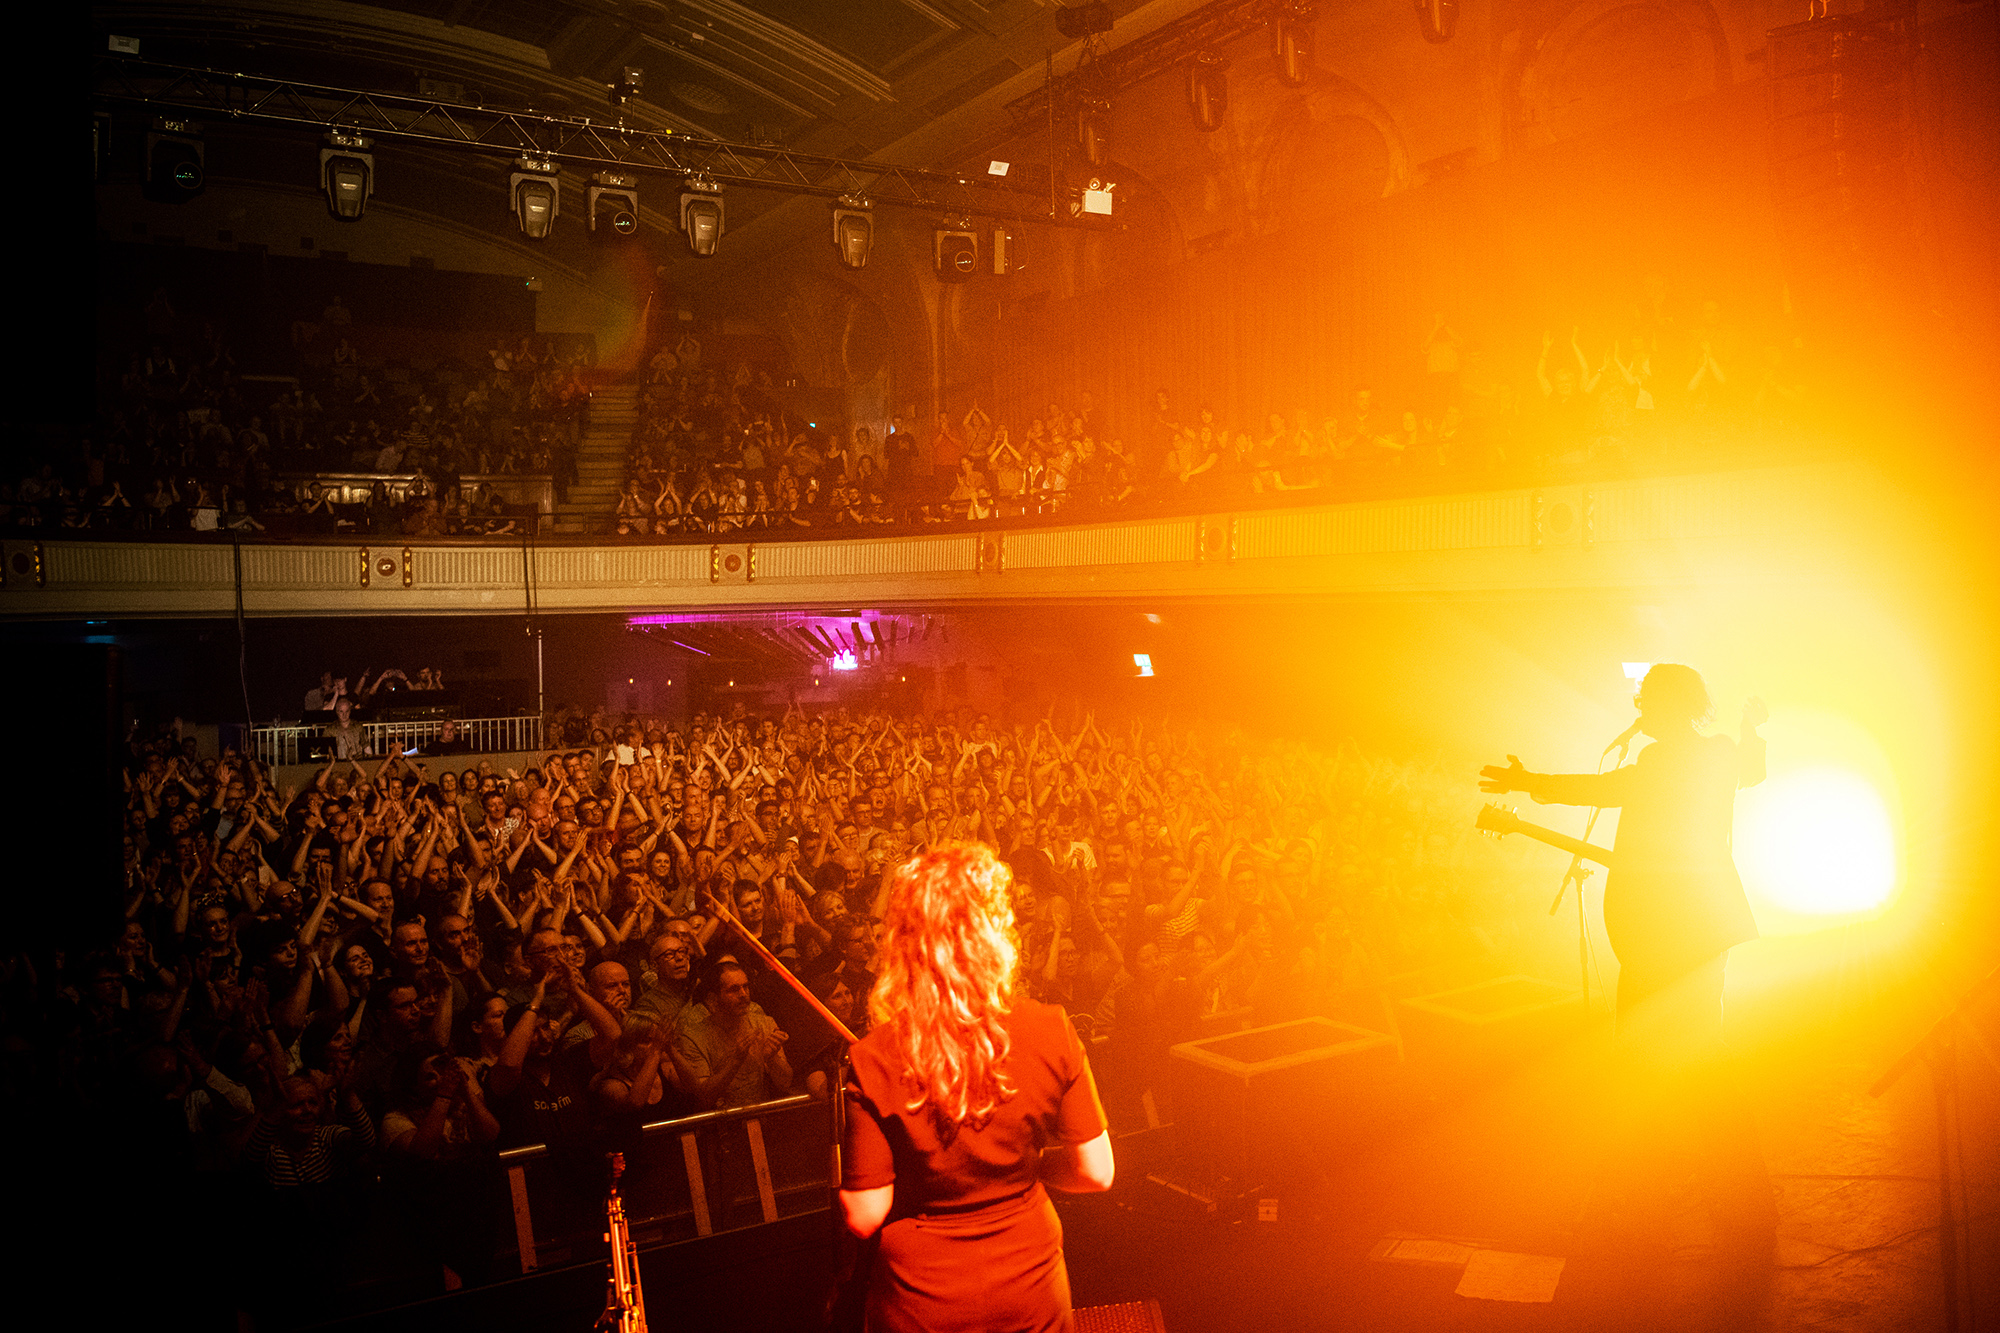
243	656
533	628
1888	1244
528	579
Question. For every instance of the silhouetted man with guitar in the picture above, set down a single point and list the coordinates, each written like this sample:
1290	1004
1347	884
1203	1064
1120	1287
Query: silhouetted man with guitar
1673	908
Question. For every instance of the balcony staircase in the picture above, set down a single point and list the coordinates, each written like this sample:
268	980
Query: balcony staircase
591	507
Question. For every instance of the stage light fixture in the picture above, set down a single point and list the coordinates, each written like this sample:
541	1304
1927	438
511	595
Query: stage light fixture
1006	253
1098	197
631	82
701	214
1208	91
1437	19
1292	42
347	174
853	230
176	161
612	203
1093	130
100	143
536	195
955	252
1084	20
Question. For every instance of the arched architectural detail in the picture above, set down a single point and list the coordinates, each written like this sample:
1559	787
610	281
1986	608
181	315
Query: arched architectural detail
1604	61
1319	149
836	335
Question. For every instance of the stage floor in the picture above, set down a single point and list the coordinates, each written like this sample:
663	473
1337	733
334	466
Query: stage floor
1510	1168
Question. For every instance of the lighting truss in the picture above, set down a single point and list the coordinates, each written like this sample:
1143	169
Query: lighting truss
576	141
1207	29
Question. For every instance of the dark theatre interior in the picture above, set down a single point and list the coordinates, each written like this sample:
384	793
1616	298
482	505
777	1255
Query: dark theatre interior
934	664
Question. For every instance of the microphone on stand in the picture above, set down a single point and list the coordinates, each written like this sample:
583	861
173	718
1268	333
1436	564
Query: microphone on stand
1624	738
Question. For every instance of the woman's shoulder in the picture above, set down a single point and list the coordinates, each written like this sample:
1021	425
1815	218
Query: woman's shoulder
1043	1024
876	1063
877	1043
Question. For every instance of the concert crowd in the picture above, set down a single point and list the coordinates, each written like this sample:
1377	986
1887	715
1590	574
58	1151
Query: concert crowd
337	1001
187	440
1670	383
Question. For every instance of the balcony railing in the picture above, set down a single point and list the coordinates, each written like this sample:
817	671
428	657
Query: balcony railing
1612	534
480	735
354	488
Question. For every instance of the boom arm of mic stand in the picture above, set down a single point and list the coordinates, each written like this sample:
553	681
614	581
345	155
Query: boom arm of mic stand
1576	874
771	961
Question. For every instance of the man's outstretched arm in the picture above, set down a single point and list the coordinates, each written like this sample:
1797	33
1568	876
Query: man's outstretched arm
1599	789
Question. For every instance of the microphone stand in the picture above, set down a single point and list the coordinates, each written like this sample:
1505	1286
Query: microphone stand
625	1301
1578	872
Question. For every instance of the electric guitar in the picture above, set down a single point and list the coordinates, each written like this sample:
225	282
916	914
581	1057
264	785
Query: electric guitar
1500	821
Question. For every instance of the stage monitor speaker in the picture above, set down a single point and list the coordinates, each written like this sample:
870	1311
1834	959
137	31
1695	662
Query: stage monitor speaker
1476	1028
1125	1317
1253	1107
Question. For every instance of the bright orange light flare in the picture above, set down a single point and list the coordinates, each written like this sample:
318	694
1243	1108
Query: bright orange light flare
1817	841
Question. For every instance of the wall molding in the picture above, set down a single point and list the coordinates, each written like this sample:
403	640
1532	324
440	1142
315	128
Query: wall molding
1731	527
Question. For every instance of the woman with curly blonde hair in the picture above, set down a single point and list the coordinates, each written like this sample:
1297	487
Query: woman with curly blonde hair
965	1100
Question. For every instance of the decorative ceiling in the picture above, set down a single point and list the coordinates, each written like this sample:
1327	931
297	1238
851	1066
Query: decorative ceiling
891	80
843	78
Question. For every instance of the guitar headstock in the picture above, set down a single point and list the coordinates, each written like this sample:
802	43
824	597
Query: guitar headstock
1499	820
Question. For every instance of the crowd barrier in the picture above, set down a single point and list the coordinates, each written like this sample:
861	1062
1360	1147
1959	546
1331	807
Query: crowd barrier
690	1178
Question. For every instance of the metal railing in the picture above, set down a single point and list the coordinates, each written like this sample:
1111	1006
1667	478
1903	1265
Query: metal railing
354	488
480	735
694	1177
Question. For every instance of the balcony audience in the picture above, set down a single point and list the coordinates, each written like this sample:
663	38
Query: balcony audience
1659	388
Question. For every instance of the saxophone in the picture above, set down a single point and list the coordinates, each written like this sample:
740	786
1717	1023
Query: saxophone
624	1302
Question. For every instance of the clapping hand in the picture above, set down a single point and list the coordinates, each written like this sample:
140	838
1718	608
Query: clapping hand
760	1045
791	909
450	1078
1755	714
